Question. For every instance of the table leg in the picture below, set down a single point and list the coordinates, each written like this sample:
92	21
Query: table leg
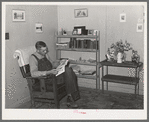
138	88
137	75
139	80
135	89
102	86
107	82
102	80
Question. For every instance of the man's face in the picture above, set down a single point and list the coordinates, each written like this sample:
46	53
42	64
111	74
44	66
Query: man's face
43	51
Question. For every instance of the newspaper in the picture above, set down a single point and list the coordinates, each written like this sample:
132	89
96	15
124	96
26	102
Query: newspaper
61	67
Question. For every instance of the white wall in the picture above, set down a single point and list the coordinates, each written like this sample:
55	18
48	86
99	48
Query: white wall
117	30
22	34
106	19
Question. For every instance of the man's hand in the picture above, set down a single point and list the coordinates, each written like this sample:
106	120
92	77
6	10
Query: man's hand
53	71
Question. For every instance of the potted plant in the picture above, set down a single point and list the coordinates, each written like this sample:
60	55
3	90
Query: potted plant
117	51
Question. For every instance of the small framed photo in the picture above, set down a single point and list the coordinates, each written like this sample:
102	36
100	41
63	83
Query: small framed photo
39	27
140	27
123	17
90	32
18	15
80	13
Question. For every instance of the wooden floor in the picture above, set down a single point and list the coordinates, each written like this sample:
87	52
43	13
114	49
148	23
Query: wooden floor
95	99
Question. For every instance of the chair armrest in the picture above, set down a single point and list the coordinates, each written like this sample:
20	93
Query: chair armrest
42	81
41	77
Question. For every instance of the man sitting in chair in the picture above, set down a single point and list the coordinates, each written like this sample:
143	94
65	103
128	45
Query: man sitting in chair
42	65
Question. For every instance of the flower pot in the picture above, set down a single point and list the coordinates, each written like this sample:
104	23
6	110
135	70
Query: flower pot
119	57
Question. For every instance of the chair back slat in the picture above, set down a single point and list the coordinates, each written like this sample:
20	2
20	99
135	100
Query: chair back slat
25	70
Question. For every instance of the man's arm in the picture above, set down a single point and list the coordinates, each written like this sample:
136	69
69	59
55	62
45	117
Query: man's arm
34	68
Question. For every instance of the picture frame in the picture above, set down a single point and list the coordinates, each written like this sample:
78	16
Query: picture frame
90	32
38	27
123	17
139	27
18	15
81	13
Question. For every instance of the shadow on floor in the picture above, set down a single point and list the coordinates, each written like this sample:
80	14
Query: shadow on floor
94	99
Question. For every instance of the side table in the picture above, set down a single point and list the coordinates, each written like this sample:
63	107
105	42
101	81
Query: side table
121	79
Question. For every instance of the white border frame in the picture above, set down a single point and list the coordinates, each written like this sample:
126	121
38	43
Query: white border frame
63	114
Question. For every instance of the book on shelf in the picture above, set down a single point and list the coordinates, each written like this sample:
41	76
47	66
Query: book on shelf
61	67
79	43
95	43
83	43
75	43
88	44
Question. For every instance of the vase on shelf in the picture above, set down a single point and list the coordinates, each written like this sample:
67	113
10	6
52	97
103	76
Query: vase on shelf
119	57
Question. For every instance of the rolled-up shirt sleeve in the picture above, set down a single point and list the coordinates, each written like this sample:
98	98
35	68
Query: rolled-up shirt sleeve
34	68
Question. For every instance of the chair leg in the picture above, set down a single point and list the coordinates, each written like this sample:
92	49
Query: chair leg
102	86
138	88
57	104
32	103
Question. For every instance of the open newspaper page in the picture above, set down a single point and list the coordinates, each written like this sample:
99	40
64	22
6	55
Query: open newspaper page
61	67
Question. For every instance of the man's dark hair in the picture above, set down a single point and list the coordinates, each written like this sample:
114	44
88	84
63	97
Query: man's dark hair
40	44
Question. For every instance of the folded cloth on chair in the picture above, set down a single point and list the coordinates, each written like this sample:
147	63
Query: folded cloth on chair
24	54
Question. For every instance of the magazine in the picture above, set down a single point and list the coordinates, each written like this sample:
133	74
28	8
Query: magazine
61	67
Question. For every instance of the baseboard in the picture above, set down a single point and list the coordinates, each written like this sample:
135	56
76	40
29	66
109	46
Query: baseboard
19	102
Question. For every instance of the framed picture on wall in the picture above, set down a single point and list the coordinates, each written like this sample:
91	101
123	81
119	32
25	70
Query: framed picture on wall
18	15
80	13
140	27
123	17
38	27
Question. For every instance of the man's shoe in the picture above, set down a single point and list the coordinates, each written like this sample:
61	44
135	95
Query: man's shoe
70	99
72	105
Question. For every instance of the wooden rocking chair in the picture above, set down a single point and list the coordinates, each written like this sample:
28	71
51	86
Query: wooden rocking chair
55	94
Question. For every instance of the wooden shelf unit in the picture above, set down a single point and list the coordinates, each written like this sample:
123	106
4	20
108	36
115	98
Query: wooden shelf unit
97	51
